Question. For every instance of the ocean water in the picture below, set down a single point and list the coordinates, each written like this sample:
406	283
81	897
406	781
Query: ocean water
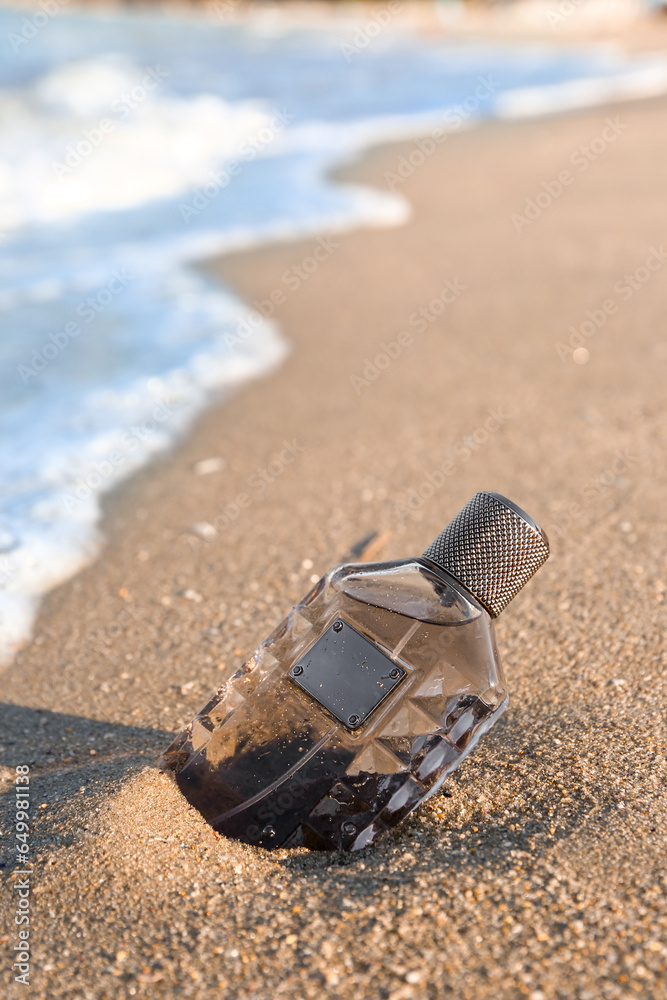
132	148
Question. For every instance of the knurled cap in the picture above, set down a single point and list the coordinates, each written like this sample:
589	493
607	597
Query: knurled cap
493	548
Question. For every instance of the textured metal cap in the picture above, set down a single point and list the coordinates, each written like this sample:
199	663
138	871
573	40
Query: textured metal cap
493	548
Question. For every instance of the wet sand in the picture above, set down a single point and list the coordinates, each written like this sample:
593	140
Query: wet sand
539	872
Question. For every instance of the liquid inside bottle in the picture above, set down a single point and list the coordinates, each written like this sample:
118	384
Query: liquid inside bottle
370	692
268	763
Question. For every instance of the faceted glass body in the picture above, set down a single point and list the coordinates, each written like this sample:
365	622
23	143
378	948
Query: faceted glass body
265	762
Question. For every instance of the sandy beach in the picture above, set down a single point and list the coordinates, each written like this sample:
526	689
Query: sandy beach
539	871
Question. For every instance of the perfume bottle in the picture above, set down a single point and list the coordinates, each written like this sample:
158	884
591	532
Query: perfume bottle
367	695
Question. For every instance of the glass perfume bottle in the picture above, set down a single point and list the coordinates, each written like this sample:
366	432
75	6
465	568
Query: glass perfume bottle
367	695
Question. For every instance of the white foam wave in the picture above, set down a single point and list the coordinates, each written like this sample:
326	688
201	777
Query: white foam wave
649	80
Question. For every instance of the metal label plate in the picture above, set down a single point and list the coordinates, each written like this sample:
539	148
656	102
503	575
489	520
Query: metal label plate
346	674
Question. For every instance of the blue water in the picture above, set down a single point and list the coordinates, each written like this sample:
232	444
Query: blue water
135	146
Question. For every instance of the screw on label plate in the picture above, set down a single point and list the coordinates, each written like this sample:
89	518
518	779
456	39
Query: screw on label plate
349	827
395	672
297	670
353	720
337	626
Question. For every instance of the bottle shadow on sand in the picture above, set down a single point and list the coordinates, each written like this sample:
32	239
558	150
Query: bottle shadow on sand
68	757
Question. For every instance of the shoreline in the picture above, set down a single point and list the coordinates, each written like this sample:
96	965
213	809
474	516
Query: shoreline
136	642
72	539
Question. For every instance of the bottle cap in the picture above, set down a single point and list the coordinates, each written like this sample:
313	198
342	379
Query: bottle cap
493	548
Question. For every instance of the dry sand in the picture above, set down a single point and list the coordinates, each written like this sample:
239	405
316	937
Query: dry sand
539	872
